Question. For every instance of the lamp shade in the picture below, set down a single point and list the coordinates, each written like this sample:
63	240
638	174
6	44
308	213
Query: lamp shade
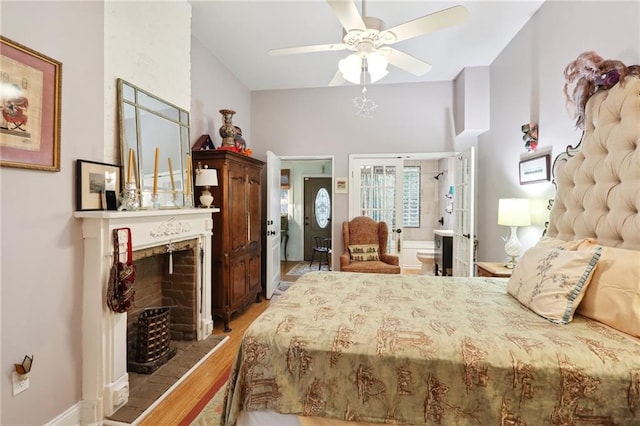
377	66
207	177
514	212
353	66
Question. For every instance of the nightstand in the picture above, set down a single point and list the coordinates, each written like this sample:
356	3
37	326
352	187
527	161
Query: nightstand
493	269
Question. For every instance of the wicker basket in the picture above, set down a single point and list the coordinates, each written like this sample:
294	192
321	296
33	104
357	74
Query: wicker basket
153	333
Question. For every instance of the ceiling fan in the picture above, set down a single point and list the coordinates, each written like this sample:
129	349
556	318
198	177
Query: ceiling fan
370	42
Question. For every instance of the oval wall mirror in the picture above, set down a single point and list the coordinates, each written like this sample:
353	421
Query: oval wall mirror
155	148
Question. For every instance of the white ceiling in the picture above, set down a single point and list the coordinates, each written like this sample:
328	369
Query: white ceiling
240	33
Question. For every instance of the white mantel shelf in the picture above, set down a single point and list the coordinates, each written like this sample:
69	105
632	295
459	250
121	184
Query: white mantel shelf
113	214
105	381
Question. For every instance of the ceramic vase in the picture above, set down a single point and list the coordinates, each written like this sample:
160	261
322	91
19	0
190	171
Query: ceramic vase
227	130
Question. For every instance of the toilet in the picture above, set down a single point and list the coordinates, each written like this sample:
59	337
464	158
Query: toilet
426	258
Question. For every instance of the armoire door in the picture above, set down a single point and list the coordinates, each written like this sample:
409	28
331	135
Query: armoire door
237	209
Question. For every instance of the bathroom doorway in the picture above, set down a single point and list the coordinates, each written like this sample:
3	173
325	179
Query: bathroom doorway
421	197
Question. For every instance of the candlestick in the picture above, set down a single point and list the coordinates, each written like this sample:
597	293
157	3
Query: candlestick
136	177
155	172
188	183
173	184
130	165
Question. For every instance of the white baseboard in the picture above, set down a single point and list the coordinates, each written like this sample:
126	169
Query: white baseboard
71	417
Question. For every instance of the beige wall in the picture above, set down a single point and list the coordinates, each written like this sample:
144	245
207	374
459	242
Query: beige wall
41	241
526	86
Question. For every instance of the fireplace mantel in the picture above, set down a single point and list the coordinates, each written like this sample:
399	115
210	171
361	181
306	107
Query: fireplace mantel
105	381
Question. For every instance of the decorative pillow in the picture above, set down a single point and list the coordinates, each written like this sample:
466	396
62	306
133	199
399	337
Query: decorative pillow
551	281
364	252
547	241
613	296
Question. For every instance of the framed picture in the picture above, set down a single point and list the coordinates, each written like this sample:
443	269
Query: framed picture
285	179
341	185
536	169
96	185
30	100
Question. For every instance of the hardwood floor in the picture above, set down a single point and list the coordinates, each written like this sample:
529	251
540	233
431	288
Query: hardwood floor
175	408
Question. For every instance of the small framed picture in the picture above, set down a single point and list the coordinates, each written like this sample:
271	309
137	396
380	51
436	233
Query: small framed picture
341	185
285	179
97	185
535	169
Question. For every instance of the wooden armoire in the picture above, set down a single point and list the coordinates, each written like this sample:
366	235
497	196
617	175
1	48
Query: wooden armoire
237	235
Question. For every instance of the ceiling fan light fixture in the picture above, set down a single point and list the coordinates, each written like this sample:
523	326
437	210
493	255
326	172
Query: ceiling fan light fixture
351	68
377	66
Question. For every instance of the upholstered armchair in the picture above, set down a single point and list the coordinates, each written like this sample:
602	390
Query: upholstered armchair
365	247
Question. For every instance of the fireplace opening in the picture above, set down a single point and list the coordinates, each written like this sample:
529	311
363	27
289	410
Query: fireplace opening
165	304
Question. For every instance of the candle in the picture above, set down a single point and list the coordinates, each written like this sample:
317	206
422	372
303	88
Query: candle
135	167
155	172
173	184
188	183
130	165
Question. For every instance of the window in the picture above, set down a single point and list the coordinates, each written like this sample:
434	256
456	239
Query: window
323	208
411	197
284	202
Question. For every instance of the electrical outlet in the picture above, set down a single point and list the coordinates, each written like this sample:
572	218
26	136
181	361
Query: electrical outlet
20	383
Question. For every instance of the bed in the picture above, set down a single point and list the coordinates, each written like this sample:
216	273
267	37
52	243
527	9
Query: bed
557	343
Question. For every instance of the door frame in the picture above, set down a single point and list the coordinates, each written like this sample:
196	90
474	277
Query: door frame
299	215
406	156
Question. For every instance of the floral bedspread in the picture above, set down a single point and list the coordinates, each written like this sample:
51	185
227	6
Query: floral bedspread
408	349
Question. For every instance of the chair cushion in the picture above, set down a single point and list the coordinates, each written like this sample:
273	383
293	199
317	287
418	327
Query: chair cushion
373	266
364	252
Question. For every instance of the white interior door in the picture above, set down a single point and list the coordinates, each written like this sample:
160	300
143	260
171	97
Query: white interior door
273	223
464	210
375	189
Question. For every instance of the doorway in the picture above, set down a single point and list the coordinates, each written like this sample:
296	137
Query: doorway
317	212
376	187
292	204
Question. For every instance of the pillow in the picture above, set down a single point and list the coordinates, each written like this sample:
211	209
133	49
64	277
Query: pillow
551	281
547	241
364	252
613	296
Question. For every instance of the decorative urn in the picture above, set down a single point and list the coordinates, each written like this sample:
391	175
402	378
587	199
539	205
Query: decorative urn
227	130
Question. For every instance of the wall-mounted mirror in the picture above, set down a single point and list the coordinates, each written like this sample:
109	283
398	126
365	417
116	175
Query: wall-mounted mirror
155	148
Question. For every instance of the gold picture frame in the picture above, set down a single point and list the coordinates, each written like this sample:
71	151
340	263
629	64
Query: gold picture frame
30	100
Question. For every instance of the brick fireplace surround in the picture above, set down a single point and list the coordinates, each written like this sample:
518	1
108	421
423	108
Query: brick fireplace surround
105	381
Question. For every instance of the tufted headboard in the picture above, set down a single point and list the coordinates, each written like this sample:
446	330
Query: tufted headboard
598	182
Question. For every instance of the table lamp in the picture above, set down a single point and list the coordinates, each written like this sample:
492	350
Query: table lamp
206	177
513	212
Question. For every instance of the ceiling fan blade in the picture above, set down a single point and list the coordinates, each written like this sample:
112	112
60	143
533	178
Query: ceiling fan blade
348	15
308	49
408	63
337	79
429	23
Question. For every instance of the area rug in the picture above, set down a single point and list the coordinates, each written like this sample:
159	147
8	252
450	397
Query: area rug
209	410
282	287
303	267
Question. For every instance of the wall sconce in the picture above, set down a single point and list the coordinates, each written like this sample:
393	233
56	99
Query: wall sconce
530	136
206	177
513	212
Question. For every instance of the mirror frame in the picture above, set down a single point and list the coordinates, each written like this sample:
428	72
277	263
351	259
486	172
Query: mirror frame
134	132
